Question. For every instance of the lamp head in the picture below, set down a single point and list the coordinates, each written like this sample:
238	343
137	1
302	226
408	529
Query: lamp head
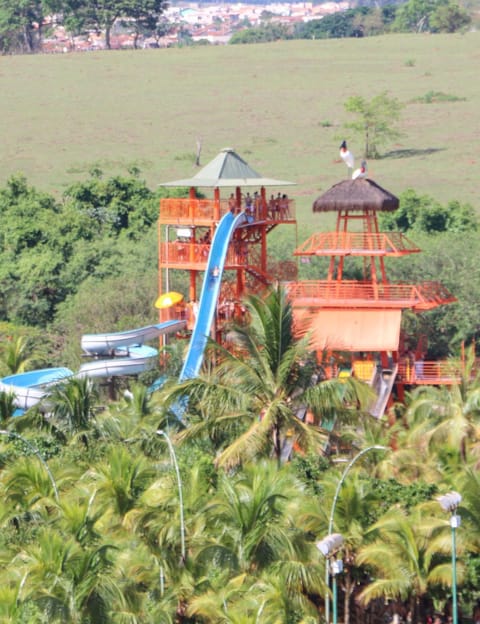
450	501
330	544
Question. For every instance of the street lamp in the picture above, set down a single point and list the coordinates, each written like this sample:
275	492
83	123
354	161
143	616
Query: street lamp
329	546
449	502
375	447
173	458
37	453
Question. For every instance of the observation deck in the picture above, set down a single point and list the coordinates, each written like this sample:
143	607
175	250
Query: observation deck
394	244
356	294
204	212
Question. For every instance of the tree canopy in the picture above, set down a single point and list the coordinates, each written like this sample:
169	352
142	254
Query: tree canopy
376	120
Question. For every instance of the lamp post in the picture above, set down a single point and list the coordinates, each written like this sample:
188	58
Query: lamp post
173	458
329	547
37	453
449	502
376	447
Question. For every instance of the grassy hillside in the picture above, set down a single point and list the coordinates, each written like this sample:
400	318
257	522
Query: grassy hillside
279	105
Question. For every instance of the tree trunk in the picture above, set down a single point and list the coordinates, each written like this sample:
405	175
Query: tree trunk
107	37
349	587
277	444
28	38
199	150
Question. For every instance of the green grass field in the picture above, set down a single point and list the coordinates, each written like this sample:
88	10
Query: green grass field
280	106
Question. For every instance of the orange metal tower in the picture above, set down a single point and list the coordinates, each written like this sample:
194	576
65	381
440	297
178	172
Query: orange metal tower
357	318
360	317
187	227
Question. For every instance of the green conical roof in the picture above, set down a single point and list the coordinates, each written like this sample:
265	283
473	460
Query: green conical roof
227	169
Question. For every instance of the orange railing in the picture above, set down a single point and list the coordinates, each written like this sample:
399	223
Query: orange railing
356	243
367	294
192	210
422	372
183	253
174	210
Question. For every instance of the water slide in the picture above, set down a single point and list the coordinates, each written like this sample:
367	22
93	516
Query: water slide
209	294
135	361
116	354
108	343
124	353
383	385
30	388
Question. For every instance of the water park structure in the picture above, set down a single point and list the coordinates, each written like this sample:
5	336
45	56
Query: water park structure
221	244
355	324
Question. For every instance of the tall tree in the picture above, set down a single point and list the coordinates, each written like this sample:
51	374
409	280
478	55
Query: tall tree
376	120
143	16
67	582
251	530
415	15
402	557
449	417
449	18
21	24
72	403
102	14
254	402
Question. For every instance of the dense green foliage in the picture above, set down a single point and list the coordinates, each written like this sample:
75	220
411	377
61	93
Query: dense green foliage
446	234
262	34
103	532
360	22
430	16
49	248
418	213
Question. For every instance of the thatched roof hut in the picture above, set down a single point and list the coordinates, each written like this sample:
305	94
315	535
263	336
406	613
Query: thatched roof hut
356	195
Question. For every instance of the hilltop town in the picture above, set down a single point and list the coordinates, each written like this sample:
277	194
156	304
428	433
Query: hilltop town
212	23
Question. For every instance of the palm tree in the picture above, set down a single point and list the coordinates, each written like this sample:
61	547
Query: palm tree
7	407
16	355
132	420
28	486
404	556
248	516
254	400
72	403
10	609
251	531
120	480
351	518
67	582
469	481
451	415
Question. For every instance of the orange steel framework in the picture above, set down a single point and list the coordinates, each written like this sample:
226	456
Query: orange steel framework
373	292
248	268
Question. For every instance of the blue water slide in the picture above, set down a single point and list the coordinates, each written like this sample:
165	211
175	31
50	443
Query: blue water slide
209	294
31	387
127	355
102	344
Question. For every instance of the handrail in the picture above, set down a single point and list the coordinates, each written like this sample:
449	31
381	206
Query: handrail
193	210
183	253
357	244
422	296
438	372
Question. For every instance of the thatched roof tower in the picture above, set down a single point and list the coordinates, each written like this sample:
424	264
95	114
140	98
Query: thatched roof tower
356	195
